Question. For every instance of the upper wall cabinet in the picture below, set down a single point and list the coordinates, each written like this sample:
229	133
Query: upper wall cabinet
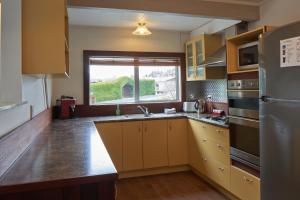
45	37
197	50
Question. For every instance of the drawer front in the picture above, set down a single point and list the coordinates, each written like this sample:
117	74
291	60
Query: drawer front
216	133
244	185
214	150
217	172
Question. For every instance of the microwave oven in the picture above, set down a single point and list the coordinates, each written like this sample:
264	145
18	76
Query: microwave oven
248	56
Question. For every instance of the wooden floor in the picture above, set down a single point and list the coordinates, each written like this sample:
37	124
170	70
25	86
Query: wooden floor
177	186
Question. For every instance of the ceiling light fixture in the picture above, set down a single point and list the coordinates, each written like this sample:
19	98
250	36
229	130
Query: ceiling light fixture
141	29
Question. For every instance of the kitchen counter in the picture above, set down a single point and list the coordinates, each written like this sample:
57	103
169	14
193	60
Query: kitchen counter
69	150
135	117
66	152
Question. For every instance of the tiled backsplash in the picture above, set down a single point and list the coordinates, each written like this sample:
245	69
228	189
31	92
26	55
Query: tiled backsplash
201	89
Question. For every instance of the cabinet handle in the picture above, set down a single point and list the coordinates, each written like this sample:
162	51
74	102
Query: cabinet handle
248	180
140	129
145	129
222	169
204	159
170	127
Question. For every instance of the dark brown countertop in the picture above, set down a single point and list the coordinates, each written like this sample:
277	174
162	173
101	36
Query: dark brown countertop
66	152
70	151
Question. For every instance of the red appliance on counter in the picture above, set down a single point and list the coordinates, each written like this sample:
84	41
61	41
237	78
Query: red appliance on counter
67	107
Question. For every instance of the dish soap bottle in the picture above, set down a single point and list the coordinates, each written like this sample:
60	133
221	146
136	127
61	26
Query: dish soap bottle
118	111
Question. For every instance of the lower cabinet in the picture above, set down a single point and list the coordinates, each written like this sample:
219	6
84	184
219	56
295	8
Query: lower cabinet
155	140
146	144
111	135
216	171
209	152
136	145
244	185
177	142
132	145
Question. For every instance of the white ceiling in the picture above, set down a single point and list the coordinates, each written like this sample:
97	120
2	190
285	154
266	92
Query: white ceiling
129	19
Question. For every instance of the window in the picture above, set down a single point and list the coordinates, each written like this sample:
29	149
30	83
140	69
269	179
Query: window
132	79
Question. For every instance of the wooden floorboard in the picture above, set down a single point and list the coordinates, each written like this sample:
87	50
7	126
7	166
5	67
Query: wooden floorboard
176	186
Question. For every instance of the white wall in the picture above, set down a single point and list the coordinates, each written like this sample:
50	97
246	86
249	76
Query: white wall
11	50
111	39
16	88
278	13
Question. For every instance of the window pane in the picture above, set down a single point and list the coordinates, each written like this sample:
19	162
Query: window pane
111	84
158	83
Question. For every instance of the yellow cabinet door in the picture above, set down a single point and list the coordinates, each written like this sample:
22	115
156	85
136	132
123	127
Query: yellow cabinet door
111	134
216	150
177	142
44	41
155	142
216	133
195	157
217	172
190	61
244	185
132	145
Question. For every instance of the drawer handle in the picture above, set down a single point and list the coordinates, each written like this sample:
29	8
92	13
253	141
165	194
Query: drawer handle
204	140
203	126
222	169
219	146
219	131
248	180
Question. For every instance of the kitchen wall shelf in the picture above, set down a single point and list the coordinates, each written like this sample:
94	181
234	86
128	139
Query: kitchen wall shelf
45	40
233	43
197	50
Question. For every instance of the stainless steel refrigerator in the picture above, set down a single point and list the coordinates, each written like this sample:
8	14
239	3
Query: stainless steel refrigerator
280	113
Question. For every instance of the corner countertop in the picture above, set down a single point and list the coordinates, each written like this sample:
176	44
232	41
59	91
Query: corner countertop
71	150
67	151
135	117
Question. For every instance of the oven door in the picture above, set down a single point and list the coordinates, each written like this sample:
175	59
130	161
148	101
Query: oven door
244	103
244	141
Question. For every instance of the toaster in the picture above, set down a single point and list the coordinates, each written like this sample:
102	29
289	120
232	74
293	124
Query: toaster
189	106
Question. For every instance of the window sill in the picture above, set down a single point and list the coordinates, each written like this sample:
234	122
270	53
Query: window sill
136	103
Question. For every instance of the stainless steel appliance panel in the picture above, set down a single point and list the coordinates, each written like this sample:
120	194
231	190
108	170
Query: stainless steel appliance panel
244	141
244	103
279	116
248	56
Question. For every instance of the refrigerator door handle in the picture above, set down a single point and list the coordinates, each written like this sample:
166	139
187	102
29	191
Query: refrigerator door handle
265	98
270	100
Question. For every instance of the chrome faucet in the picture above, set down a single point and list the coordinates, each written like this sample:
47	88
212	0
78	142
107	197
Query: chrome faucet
145	110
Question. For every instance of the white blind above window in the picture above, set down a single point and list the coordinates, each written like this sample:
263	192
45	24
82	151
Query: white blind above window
127	61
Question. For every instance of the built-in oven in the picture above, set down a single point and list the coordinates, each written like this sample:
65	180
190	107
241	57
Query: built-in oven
243	100
244	141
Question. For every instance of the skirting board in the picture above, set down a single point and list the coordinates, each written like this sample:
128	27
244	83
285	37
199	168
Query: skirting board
214	185
156	171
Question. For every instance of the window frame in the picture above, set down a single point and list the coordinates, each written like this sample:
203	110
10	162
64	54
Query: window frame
87	54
